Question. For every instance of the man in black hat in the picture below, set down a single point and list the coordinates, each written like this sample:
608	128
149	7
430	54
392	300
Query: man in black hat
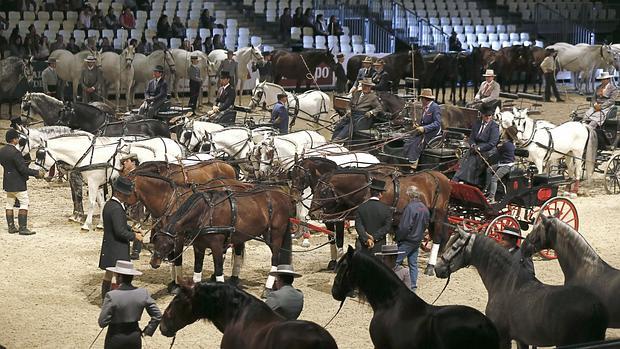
155	94
279	115
341	76
389	254
509	241
264	68
222	111
16	174
548	68
116	233
195	82
373	220
49	78
285	299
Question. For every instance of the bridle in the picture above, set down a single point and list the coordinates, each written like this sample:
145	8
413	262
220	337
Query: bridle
457	249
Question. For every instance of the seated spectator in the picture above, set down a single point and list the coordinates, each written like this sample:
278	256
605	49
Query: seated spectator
454	44
208	45
186	46
178	29
72	46
90	44
285	25
333	27
32	37
298	18
106	46
143	5
85	18
59	44
218	44
163	27
319	26
16	47
97	21
144	47
44	49
127	19
4	24
206	21
197	43
110	20
307	19
29	48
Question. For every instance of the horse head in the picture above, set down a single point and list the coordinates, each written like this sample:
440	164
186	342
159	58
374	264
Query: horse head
255	54
26	104
24	139
299	176
163	245
456	255
264	154
258	95
607	54
542	236
179	312
129	54
28	70
343	282
43	159
324	197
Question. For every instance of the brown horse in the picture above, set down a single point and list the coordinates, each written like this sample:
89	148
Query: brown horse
201	172
512	62
213	219
297	66
397	65
440	69
538	55
244	320
469	66
339	193
451	116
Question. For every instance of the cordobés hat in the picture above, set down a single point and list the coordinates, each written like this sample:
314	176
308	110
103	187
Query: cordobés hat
512	132
378	62
123	185
489	72
389	250
604	75
377	184
11	134
486	110
285	269
224	75
194	57
512	232
427	93
367	81
340	55
158	68
367	60
90	59
124	267
130	156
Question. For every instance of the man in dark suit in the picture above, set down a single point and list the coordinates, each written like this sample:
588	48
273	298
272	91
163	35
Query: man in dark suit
482	145
116	233
381	78
428	128
364	107
341	76
155	94
16	174
373	220
285	299
222	111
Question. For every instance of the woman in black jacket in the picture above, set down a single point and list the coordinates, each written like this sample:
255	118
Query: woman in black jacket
163	27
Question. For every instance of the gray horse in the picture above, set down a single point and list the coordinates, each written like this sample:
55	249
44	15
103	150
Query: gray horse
13	70
47	108
118	71
69	67
143	67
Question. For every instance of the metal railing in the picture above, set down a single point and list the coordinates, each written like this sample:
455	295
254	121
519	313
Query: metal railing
556	27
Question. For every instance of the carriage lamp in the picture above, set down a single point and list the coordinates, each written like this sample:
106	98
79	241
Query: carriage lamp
544	194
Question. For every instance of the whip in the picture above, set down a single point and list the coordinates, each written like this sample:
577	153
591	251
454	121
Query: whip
91	344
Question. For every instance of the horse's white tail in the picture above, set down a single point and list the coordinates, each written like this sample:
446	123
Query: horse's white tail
590	152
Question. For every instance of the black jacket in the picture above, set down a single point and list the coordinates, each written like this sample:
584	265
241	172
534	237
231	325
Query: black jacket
158	91
226	99
16	171
116	235
373	218
382	81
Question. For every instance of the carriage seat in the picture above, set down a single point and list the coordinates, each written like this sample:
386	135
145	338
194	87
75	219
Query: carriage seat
543	178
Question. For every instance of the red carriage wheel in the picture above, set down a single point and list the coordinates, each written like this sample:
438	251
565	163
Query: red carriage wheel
563	209
498	224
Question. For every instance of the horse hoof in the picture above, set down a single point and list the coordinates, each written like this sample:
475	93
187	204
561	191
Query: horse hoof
430	270
85	228
75	219
99	226
331	265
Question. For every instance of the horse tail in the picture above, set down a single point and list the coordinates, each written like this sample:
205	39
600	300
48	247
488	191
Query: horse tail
591	148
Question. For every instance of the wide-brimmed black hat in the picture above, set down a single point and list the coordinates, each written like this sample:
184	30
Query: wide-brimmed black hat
512	231
389	250
486	110
123	185
285	269
224	75
11	134
159	68
281	95
377	184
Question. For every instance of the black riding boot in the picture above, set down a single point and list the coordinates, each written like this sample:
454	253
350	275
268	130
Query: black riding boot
105	288
11	222
22	218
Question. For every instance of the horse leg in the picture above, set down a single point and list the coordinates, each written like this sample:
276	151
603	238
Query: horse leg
75	182
118	95
199	258
238	256
93	189
101	201
75	83
217	249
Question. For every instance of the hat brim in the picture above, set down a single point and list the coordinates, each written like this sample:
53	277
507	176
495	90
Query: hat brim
604	77
285	272
511	233
487	75
368	84
428	97
377	188
389	253
124	271
122	190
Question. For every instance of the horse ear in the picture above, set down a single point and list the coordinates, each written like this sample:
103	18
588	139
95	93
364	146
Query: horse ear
350	251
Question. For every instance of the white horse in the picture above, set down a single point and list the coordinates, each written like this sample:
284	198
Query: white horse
309	105
245	56
182	61
98	159
69	67
36	137
118	71
195	133
143	67
583	59
572	140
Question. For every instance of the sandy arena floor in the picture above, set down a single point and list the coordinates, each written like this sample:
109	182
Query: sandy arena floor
49	293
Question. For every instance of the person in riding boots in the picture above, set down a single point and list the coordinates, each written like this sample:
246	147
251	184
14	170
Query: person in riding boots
373	220
222	111
285	300
129	162
548	68
49	78
16	173
413	224
365	72
265	68
91	80
195	82
604	100
381	78
155	94
428	128
510	237
341	76
506	160
116	232
279	115
389	254
336	243
488	94
122	309
364	107
229	65
482	141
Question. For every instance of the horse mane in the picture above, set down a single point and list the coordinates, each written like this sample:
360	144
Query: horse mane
351	170
213	298
76	134
574	238
499	260
321	159
47	98
186	206
54	131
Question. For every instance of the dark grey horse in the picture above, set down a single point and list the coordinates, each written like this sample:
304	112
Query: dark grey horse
580	264
522	307
13	71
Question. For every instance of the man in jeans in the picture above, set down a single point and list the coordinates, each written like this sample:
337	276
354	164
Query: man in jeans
410	232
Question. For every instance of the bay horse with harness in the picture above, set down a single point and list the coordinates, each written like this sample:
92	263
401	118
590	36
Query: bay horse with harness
339	193
298	66
244	320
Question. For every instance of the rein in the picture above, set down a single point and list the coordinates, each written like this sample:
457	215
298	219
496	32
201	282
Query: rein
337	312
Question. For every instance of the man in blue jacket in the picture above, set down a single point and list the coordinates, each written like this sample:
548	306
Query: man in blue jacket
279	115
410	233
428	128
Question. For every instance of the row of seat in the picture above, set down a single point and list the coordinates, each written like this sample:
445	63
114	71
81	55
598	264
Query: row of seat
344	44
573	14
479	29
496	45
512	37
440	5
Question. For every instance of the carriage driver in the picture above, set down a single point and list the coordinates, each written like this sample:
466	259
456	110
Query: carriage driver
16	173
285	300
155	94
604	100
49	78
506	160
488	94
222	111
364	107
373	220
91	80
510	237
279	115
428	128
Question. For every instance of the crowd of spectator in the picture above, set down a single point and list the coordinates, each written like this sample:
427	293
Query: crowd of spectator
307	20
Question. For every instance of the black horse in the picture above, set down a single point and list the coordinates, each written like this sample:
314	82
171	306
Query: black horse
469	67
523	308
402	319
245	321
440	69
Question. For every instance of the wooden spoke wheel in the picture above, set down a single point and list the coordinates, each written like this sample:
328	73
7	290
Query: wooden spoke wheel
563	209
612	175
498	224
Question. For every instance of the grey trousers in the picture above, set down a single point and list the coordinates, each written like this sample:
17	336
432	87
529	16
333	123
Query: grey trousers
500	172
